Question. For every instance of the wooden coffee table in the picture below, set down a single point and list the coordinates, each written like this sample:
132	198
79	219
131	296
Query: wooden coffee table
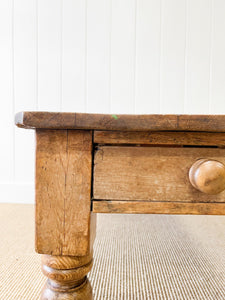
93	163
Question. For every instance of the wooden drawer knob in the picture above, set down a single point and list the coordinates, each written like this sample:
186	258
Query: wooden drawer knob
208	176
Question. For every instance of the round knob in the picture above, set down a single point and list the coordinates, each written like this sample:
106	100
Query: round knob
208	176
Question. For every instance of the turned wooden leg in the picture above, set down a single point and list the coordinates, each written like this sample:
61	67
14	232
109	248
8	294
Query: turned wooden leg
67	277
65	225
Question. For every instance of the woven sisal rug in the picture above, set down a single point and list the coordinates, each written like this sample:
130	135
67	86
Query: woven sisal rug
136	257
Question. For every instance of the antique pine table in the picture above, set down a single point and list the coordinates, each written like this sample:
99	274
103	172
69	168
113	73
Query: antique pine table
93	163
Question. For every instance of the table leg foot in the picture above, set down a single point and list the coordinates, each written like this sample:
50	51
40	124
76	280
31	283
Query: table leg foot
67	278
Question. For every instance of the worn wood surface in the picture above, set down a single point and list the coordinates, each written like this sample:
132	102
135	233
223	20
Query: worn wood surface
160	138
54	120
208	176
147	207
66	277
64	222
150	173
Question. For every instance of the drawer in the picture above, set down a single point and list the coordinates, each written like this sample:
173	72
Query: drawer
132	173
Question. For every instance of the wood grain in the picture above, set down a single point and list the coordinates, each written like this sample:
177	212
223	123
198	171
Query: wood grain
65	262
55	120
67	279
160	138
147	207
208	176
150	173
64	223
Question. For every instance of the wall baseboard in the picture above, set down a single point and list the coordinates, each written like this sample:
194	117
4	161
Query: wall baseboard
17	193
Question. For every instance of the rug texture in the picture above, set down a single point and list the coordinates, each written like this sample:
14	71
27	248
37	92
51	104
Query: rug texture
135	257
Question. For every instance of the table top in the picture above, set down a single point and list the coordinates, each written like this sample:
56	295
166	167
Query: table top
119	122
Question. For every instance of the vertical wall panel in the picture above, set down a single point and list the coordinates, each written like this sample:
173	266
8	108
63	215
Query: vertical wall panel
217	95
6	91
49	54
98	55
147	56
173	56
198	56
73	55
123	56
25	85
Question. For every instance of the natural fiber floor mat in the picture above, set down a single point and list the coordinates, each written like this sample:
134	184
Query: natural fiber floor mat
135	256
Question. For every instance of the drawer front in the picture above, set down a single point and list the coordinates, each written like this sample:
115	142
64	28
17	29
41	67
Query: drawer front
150	173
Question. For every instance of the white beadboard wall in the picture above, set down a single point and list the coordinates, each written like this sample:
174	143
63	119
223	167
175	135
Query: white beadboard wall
106	56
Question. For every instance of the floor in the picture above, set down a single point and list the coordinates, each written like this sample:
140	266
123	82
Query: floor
136	256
